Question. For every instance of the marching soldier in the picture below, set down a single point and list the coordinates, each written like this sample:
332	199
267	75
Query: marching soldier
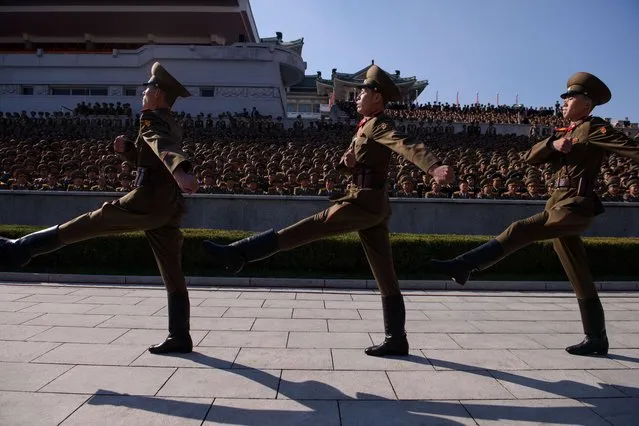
576	153
365	208
155	206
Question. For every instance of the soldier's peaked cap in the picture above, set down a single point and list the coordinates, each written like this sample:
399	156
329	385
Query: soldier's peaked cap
587	84
162	79
378	80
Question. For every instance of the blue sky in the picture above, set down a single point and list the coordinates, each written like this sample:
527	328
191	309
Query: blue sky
508	47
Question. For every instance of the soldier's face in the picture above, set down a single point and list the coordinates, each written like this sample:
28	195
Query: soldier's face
576	107
634	190
151	97
367	101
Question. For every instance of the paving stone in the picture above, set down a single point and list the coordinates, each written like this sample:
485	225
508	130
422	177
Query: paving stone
426	306
215	383
322	296
135	321
268	324
126	410
258	313
626	381
459	315
326	313
89	379
629	358
23	351
555	384
35	289
377	314
356	359
52	298
59	308
474	359
92	354
446	385
150	337
315	339
101	291
354	326
28	377
78	335
265	412
34	409
15	306
111	300
295	304
237	303
246	339
403	413
317	384
550	359
533	315
284	359
338	304
15	318
264	295
200	357
618	411
510	327
204	323
533	412
495	341
124	309
20	332
424	340
440	327
77	320
10	297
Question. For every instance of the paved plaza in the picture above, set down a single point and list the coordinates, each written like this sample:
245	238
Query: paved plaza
75	354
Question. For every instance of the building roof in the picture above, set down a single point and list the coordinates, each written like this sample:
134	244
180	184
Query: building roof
294	45
230	21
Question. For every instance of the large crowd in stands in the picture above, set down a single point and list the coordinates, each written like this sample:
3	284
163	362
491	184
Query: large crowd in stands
246	153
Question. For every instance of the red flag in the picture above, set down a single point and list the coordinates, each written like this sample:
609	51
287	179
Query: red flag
457	98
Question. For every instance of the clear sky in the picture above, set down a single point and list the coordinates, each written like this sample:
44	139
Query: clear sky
508	47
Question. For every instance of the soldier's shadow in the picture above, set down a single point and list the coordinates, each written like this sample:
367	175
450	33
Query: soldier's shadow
317	401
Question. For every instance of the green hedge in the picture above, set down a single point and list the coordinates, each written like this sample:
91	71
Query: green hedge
336	257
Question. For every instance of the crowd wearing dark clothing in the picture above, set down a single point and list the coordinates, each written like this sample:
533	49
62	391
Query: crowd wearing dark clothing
246	153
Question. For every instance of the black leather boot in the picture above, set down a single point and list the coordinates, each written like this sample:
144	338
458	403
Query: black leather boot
592	317
474	260
395	342
235	255
20	252
179	339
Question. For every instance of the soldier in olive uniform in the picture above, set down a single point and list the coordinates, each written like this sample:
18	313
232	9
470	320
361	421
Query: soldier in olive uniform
576	152
365	207
613	192
633	191
155	206
304	180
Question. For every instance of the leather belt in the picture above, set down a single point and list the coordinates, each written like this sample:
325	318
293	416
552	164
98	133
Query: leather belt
147	176
367	178
582	185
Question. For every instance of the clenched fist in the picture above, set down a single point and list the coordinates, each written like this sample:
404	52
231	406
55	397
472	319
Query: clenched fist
442	174
121	144
186	181
349	158
563	145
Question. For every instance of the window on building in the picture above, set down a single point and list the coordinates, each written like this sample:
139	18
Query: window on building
207	92
98	91
130	91
316	107
26	90
305	107
78	91
291	107
57	91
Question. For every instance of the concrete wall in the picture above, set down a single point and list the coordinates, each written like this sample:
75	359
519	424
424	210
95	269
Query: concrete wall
256	213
